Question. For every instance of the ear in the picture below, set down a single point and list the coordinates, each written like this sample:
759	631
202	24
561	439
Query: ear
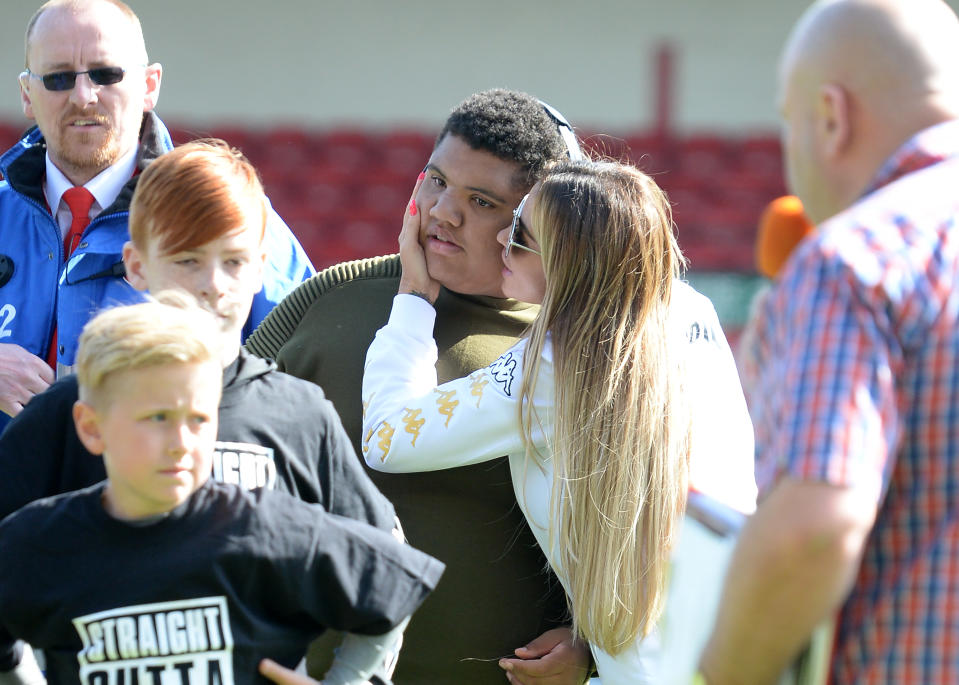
88	427
25	95
153	74
834	125
133	261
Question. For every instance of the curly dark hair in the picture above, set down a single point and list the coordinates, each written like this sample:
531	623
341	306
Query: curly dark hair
511	125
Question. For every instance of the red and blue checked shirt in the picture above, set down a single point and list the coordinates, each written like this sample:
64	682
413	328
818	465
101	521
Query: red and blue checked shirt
858	386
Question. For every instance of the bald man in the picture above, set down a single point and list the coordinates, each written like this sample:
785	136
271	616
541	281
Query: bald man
90	88
856	406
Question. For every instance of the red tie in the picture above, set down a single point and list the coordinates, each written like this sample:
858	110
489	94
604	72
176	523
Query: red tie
79	200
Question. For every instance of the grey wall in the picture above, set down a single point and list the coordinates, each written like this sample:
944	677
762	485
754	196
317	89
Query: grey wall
385	62
388	62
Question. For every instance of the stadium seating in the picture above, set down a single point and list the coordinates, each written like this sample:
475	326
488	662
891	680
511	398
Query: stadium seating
343	190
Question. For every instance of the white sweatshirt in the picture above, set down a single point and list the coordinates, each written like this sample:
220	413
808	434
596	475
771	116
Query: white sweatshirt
411	424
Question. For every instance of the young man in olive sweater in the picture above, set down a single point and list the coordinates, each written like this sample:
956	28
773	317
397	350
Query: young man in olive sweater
495	596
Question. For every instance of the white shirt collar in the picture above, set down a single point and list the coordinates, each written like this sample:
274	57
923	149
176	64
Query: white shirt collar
105	186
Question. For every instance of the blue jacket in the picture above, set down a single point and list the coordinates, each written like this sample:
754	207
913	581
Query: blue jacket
41	291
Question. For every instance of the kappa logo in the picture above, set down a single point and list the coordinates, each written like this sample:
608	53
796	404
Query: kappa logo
385	434
702	331
413	422
244	464
477	383
446	404
503	371
366	405
184	642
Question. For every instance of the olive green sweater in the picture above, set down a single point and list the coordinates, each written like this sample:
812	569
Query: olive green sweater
496	594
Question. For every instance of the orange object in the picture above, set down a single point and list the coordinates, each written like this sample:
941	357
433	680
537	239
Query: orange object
782	226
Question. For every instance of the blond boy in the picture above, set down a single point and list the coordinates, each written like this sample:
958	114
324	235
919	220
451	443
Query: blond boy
160	574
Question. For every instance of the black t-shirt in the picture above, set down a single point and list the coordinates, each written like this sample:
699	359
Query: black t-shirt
274	430
225	579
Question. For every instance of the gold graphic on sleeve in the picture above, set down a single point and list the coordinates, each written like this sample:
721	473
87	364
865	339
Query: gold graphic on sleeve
385	434
366	441
478	382
413	423
446	403
366	405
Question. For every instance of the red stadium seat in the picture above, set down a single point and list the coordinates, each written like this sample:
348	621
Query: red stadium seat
10	133
650	153
384	193
403	152
348	150
603	146
703	156
286	147
246	140
762	155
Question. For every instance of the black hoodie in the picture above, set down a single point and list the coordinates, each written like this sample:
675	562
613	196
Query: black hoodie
274	430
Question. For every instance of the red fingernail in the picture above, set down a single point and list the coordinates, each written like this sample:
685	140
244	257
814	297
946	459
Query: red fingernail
421	176
412	207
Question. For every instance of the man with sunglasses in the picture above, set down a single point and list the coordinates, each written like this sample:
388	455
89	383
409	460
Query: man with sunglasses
91	90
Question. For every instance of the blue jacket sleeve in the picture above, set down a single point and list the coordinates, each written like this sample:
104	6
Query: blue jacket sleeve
287	265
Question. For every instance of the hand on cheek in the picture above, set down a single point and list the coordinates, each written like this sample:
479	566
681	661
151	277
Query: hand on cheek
415	279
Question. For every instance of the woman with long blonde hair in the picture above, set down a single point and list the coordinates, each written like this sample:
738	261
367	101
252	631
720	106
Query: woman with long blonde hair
593	408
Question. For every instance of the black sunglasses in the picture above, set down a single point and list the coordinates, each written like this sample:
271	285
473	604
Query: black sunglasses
66	80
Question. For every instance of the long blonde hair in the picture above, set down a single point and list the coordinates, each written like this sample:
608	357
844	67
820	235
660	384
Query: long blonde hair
620	438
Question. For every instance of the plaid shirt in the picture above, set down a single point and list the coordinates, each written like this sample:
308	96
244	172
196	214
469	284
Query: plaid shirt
859	387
